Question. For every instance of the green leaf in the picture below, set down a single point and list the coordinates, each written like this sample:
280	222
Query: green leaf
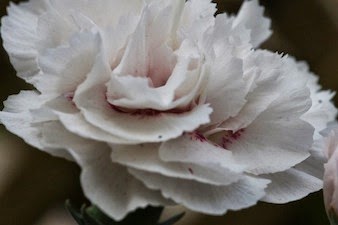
147	216
95	216
333	217
76	214
173	219
92	215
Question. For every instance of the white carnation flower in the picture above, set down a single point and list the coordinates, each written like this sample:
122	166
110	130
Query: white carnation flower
162	103
330	175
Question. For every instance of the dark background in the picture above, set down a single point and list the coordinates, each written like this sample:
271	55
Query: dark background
34	185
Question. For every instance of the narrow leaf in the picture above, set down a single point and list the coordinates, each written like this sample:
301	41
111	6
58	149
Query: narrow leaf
76	214
147	216
92	215
96	217
333	217
173	219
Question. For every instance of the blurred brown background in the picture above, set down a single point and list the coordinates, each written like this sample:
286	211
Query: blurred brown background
33	185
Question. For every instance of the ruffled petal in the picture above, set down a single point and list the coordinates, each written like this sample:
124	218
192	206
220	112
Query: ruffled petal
114	190
66	67
77	124
142	128
251	16
90	98
105	184
321	112
205	198
145	157
47	24
22	22
65	111
263	71
18	119
99	11
197	16
179	84
314	164
53	30
290	185
278	139
226	89
193	148
298	182
224	38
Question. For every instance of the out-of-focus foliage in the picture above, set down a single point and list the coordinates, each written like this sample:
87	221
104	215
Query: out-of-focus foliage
91	215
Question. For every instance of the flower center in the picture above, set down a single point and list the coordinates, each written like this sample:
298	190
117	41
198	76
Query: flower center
229	137
148	112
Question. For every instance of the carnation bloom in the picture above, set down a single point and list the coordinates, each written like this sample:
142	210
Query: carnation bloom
160	102
331	175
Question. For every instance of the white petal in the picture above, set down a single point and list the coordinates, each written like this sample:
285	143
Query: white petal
77	124
314	164
290	185
35	6
299	181
179	89
115	38
271	120
90	98
251	16
18	119
53	30
166	18
34	26
145	157
226	89
277	139
135	60
152	31
62	104
214	200
197	16
140	128
105	184
130	87
223	39
67	66
263	71
73	121
21	22
99	11
54	135
192	149
321	112
189	87
114	190
164	98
